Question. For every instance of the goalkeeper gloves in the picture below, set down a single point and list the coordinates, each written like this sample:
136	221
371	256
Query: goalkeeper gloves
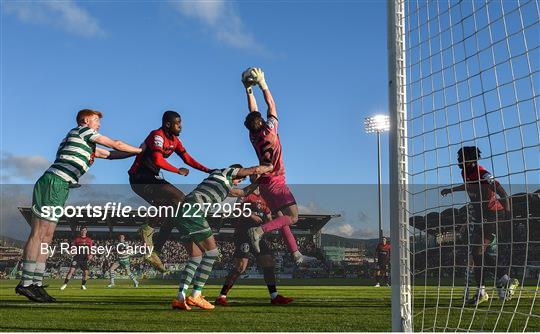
258	75
247	78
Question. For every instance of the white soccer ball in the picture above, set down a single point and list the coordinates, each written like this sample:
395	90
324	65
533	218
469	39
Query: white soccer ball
249	77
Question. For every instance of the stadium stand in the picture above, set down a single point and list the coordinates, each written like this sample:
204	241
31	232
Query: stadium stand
307	230
444	243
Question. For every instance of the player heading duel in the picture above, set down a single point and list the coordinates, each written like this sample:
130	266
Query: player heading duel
74	157
265	139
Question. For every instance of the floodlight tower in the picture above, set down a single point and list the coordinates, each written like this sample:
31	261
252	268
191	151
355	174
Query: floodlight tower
377	124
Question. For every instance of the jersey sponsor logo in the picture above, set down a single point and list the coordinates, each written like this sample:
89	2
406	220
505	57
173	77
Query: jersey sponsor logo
488	177
158	141
244	247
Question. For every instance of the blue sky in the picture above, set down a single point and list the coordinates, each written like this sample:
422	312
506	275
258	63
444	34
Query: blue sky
327	71
325	62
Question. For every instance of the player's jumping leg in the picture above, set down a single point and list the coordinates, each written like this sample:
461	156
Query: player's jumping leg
26	287
158	193
290	241
210	256
266	262
240	265
186	276
163	235
288	216
41	263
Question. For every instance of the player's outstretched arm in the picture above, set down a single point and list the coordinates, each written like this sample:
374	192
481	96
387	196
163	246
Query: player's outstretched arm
252	102
112	155
256	170
117	145
161	162
243	192
189	160
447	191
505	199
268	98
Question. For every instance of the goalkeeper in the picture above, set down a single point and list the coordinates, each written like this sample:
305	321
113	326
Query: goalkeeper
488	211
272	185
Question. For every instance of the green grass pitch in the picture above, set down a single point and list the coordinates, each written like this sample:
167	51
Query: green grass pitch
331	305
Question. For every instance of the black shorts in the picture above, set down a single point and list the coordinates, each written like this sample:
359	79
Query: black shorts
383	263
80	261
242	243
487	225
147	185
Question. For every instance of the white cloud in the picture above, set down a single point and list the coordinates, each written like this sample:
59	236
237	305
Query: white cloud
350	231
345	230
223	20
310	209
22	167
28	168
65	14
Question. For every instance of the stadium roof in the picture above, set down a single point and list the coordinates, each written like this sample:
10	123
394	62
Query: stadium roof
307	223
525	208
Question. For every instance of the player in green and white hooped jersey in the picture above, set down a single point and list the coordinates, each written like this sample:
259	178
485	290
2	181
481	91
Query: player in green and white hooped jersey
192	224
122	260
73	158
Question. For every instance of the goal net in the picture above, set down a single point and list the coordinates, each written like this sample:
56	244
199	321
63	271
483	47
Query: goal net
465	164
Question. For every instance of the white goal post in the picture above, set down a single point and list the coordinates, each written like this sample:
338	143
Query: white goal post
464	76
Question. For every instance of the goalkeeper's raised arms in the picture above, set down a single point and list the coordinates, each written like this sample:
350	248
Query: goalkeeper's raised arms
255	75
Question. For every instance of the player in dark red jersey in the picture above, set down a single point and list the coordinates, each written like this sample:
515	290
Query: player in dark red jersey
383	260
260	214
83	243
488	211
146	181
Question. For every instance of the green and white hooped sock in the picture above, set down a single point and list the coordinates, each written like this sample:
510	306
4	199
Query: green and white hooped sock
204	270
186	276
38	274
28	272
